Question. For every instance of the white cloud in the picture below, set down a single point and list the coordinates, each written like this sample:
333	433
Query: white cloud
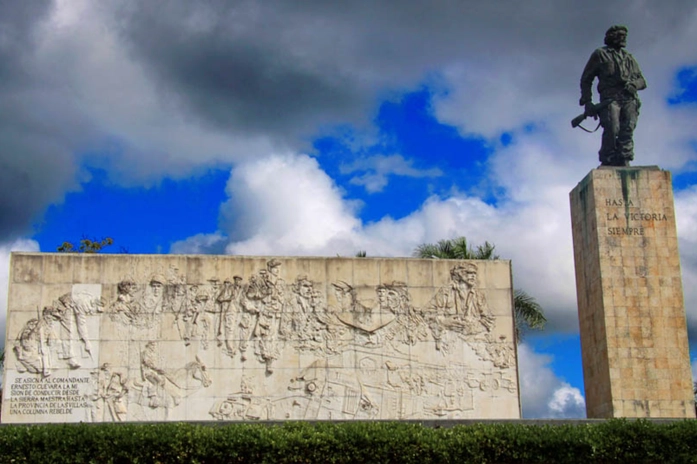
5	250
376	170
286	204
200	243
161	91
543	394
567	401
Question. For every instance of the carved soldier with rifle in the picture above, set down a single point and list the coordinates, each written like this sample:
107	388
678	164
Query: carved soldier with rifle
619	79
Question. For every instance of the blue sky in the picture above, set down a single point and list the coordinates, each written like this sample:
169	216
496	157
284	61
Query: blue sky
274	128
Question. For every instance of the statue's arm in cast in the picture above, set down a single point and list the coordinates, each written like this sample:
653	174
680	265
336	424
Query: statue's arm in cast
590	72
636	81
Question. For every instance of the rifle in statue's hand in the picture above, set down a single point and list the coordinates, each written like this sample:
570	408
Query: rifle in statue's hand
588	114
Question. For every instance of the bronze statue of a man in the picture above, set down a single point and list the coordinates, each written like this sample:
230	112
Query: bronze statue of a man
619	79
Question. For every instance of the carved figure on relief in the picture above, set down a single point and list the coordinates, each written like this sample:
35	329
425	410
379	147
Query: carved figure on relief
248	316
109	396
459	307
33	344
327	326
305	320
207	323
300	308
500	353
140	306
154	294
135	303
126	309
71	312
209	317
175	298
409	325
194	323
354	313
228	301
264	300
165	388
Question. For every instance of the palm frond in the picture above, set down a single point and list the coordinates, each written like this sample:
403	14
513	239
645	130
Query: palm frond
529	315
485	251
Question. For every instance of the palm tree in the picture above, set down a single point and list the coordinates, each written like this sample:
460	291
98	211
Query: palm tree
528	313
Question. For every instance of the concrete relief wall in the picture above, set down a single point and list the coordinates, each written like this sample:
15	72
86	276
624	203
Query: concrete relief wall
149	338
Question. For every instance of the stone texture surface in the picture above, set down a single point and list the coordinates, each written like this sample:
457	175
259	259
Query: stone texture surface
142	338
630	300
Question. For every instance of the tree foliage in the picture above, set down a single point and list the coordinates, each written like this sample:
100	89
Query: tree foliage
86	245
457	248
528	313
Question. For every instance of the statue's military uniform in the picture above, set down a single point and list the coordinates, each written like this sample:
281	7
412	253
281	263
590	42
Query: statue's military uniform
619	77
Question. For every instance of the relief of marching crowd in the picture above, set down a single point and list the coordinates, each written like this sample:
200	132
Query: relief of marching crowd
257	319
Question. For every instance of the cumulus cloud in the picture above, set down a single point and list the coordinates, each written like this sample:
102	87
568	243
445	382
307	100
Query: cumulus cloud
567	402
148	90
70	94
543	394
286	203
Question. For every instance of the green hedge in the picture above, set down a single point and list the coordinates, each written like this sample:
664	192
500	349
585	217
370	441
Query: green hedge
380	442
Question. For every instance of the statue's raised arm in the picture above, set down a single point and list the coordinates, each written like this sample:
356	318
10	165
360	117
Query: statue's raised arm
619	79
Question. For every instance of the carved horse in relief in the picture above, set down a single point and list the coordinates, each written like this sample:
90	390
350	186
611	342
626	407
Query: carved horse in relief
165	388
188	379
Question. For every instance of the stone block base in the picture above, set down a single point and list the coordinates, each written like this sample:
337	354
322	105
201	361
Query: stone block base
630	301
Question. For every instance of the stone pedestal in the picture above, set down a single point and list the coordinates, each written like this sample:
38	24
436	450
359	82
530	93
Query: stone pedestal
630	300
